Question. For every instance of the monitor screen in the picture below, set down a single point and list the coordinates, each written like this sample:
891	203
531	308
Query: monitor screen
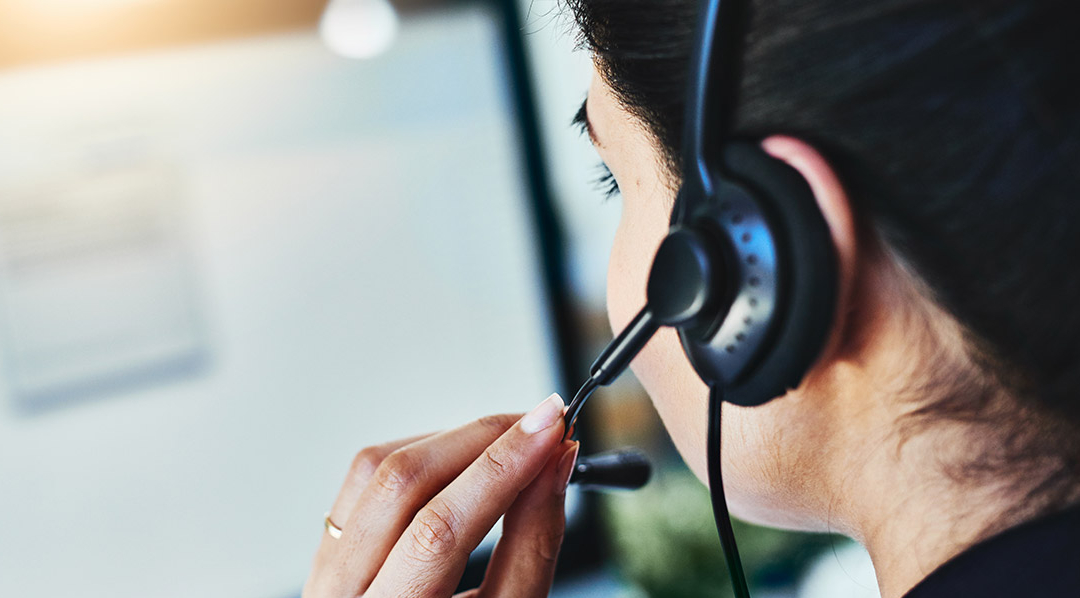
225	269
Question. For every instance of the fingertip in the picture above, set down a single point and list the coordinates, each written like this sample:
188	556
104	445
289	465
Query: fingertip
552	477
545	415
566	467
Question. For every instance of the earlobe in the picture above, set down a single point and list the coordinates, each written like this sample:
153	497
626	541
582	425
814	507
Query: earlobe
835	206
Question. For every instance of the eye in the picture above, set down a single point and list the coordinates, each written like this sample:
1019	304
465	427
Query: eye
606	182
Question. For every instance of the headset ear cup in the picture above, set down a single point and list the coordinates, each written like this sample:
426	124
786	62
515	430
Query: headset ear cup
807	268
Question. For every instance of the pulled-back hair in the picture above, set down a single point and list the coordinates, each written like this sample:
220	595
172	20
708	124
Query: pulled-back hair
955	128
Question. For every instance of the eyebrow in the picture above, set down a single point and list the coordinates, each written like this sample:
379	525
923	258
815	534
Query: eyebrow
581	119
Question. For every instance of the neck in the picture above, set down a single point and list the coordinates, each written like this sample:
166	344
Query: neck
900	487
916	490
912	517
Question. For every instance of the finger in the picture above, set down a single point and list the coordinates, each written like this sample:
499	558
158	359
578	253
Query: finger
403	483
362	469
430	556
523	564
360	472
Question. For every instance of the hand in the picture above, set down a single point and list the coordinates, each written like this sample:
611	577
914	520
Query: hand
412	511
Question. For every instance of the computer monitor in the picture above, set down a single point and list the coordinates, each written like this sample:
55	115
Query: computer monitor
226	268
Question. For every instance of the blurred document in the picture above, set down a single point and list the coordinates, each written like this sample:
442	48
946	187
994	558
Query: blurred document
93	275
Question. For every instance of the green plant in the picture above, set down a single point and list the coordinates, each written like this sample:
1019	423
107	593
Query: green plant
665	541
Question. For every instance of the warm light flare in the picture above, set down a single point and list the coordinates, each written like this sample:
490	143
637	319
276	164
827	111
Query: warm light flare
61	8
38	31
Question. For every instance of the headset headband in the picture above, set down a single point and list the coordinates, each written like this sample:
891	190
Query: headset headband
712	94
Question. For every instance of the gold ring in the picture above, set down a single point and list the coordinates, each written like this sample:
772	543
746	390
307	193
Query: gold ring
331	528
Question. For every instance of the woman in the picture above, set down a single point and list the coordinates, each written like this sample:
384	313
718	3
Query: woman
941	425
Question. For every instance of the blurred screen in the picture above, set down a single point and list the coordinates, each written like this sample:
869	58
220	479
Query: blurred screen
226	268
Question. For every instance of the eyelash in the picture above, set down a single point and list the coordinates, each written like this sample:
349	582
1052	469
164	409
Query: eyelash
606	182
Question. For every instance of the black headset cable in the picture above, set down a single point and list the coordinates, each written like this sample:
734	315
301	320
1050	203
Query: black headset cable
719	501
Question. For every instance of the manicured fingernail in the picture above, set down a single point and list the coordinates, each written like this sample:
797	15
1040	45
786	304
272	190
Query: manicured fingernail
566	468
544	415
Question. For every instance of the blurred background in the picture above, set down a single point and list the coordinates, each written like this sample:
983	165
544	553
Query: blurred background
240	241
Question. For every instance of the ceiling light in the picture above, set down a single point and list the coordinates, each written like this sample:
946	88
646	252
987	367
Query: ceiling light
358	28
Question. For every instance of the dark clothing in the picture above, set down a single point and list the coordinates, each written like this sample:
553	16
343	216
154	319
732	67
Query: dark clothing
1039	559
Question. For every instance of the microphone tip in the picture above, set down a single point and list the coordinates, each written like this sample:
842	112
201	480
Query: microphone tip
623	469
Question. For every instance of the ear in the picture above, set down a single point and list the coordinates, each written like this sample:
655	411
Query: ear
835	207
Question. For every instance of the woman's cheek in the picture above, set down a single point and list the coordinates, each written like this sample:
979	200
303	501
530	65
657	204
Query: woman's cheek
679	395
662	367
625	281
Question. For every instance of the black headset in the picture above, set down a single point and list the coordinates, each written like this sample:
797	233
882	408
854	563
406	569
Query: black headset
747	272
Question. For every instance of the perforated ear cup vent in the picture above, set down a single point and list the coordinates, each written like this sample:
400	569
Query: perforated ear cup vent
739	225
785	285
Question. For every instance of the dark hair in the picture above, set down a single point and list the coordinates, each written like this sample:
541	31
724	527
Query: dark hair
954	127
